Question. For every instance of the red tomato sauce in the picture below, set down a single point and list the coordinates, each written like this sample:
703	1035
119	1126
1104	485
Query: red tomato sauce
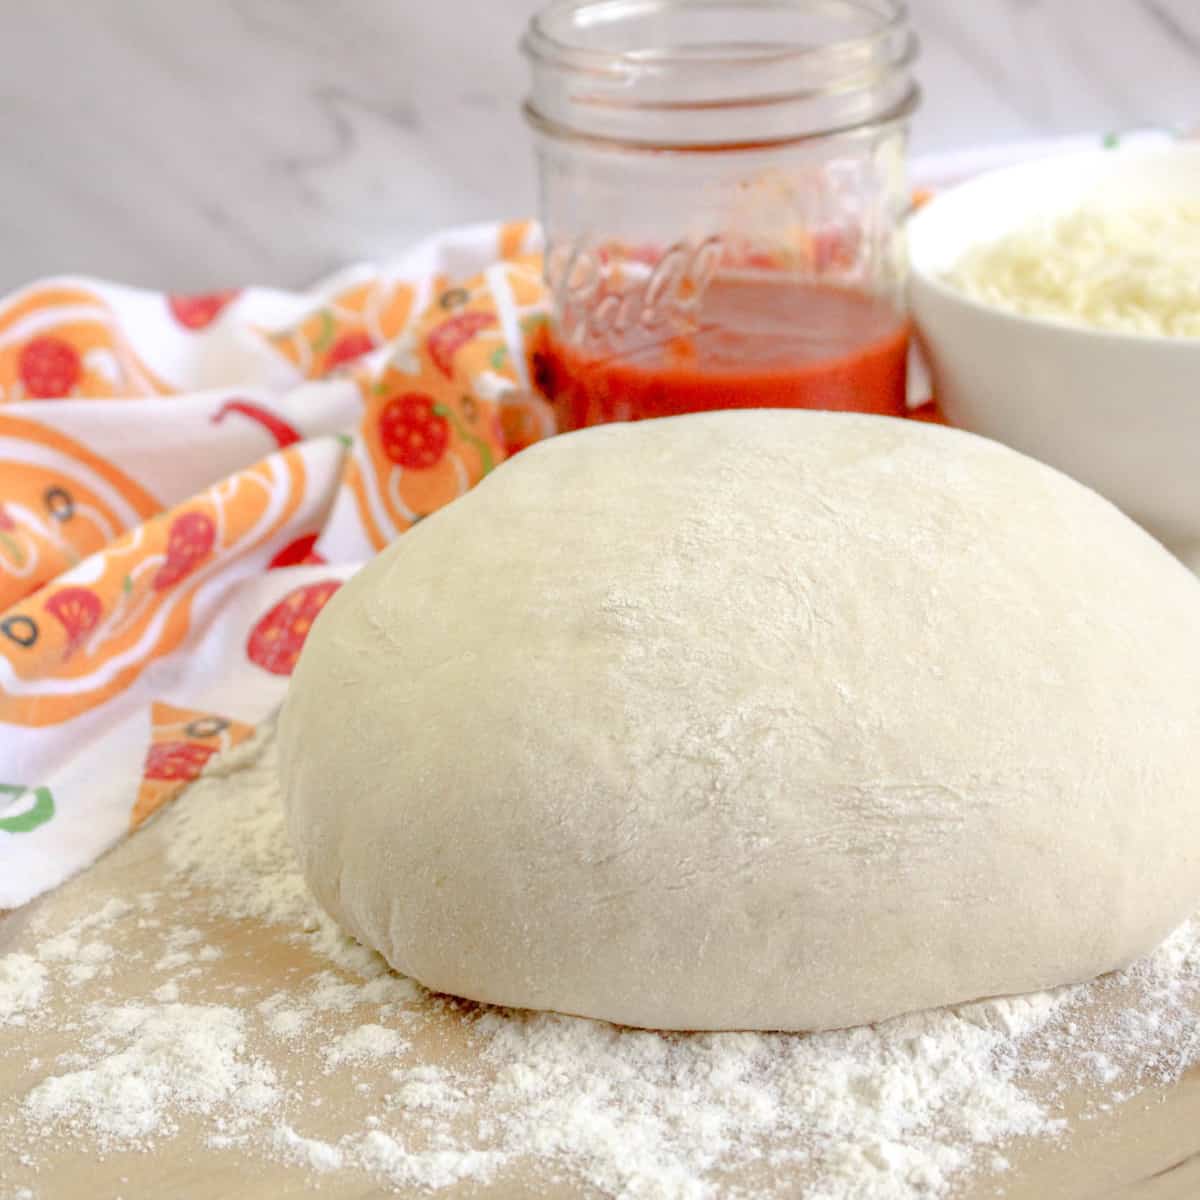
757	343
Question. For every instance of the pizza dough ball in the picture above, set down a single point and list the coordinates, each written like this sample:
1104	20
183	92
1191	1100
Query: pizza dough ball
755	720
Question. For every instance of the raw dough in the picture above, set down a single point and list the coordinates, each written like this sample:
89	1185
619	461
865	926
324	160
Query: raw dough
771	720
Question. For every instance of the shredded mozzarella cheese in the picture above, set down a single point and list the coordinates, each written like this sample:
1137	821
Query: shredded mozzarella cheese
1132	270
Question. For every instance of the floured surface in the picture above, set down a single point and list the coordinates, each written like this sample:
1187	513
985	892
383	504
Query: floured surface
192	1002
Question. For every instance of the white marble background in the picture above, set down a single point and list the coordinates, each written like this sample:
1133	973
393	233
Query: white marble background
189	145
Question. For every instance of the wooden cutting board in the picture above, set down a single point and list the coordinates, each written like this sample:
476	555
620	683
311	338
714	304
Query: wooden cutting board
1148	1147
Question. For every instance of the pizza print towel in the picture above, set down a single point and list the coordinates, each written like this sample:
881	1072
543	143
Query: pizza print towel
186	480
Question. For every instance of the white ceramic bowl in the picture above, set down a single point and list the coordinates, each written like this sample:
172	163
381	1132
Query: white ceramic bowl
1120	412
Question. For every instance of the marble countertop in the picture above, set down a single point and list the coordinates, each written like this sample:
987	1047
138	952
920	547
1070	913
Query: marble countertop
206	145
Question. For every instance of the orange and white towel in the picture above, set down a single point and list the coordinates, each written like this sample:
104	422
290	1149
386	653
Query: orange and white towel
184	481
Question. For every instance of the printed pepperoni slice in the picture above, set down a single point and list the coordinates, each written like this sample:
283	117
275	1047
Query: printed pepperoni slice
412	432
199	312
77	610
176	760
347	348
276	641
49	367
448	338
189	541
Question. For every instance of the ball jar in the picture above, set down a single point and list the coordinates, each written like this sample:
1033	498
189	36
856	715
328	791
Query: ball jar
722	190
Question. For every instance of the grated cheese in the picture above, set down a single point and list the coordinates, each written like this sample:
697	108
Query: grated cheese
1129	270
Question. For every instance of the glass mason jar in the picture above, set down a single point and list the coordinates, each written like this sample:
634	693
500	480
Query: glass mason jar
722	191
